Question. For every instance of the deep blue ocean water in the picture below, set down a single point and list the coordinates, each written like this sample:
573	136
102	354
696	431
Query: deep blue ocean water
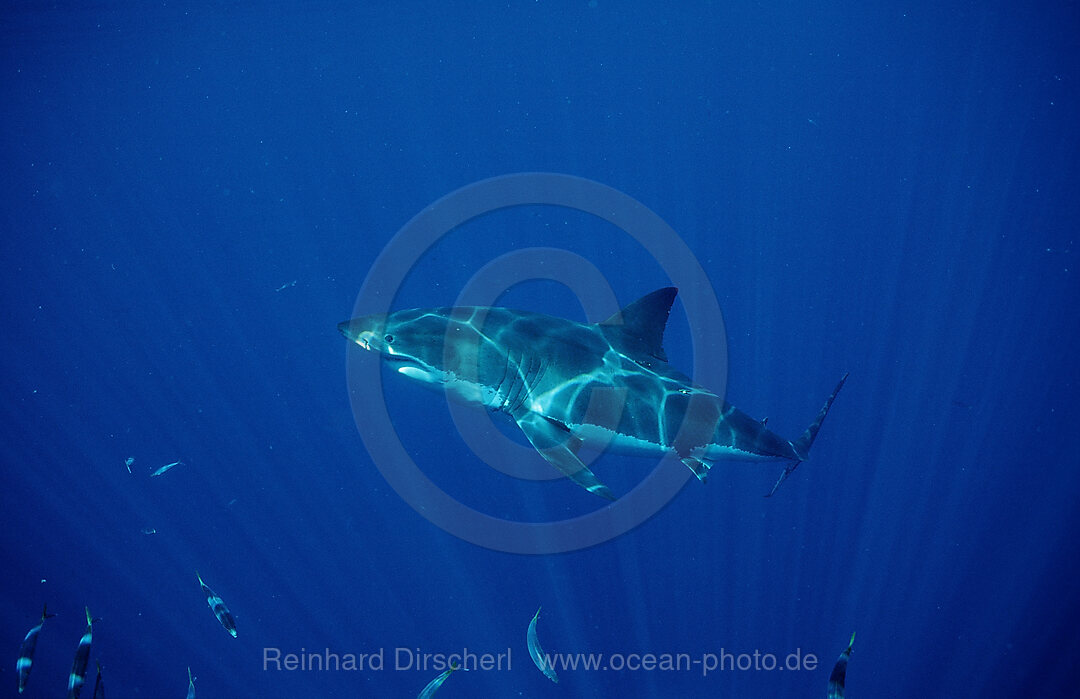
194	195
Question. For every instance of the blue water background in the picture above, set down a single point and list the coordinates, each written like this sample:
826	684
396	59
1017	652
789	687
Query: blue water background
886	189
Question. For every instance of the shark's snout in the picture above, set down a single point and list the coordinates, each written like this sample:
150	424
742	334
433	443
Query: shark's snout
345	329
366	331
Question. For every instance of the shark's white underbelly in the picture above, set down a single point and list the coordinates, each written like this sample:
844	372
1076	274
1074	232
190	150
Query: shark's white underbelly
594	436
601	438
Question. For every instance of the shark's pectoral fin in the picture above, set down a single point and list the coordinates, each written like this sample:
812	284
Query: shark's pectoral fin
558	447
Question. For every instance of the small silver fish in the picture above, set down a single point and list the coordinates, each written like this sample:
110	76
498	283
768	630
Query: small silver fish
128	462
165	468
537	653
77	678
839	672
218	606
99	684
433	685
26	650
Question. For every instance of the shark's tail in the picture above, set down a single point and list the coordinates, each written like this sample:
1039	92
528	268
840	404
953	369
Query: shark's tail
802	444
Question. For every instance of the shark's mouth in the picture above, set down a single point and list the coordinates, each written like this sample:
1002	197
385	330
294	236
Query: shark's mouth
414	369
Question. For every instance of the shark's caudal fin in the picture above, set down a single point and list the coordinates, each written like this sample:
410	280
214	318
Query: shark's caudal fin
802	444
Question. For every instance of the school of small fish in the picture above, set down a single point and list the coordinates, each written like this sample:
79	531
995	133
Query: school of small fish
542	660
77	676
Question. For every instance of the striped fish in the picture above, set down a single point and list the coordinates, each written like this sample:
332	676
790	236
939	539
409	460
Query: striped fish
26	650
218	606
99	685
77	678
839	672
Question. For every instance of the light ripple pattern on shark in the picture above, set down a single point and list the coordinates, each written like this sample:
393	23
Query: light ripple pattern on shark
566	384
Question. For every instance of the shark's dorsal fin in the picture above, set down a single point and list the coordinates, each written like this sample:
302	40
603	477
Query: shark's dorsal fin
639	328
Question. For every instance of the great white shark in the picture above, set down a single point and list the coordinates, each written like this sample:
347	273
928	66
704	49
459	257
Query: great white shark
566	384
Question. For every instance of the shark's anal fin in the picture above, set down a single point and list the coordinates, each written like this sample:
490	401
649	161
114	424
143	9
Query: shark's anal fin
558	447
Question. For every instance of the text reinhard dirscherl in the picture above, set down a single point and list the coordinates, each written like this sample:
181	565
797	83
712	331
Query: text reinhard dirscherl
405	659
375	661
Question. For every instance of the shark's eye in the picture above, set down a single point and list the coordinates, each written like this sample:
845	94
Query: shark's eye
389	339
